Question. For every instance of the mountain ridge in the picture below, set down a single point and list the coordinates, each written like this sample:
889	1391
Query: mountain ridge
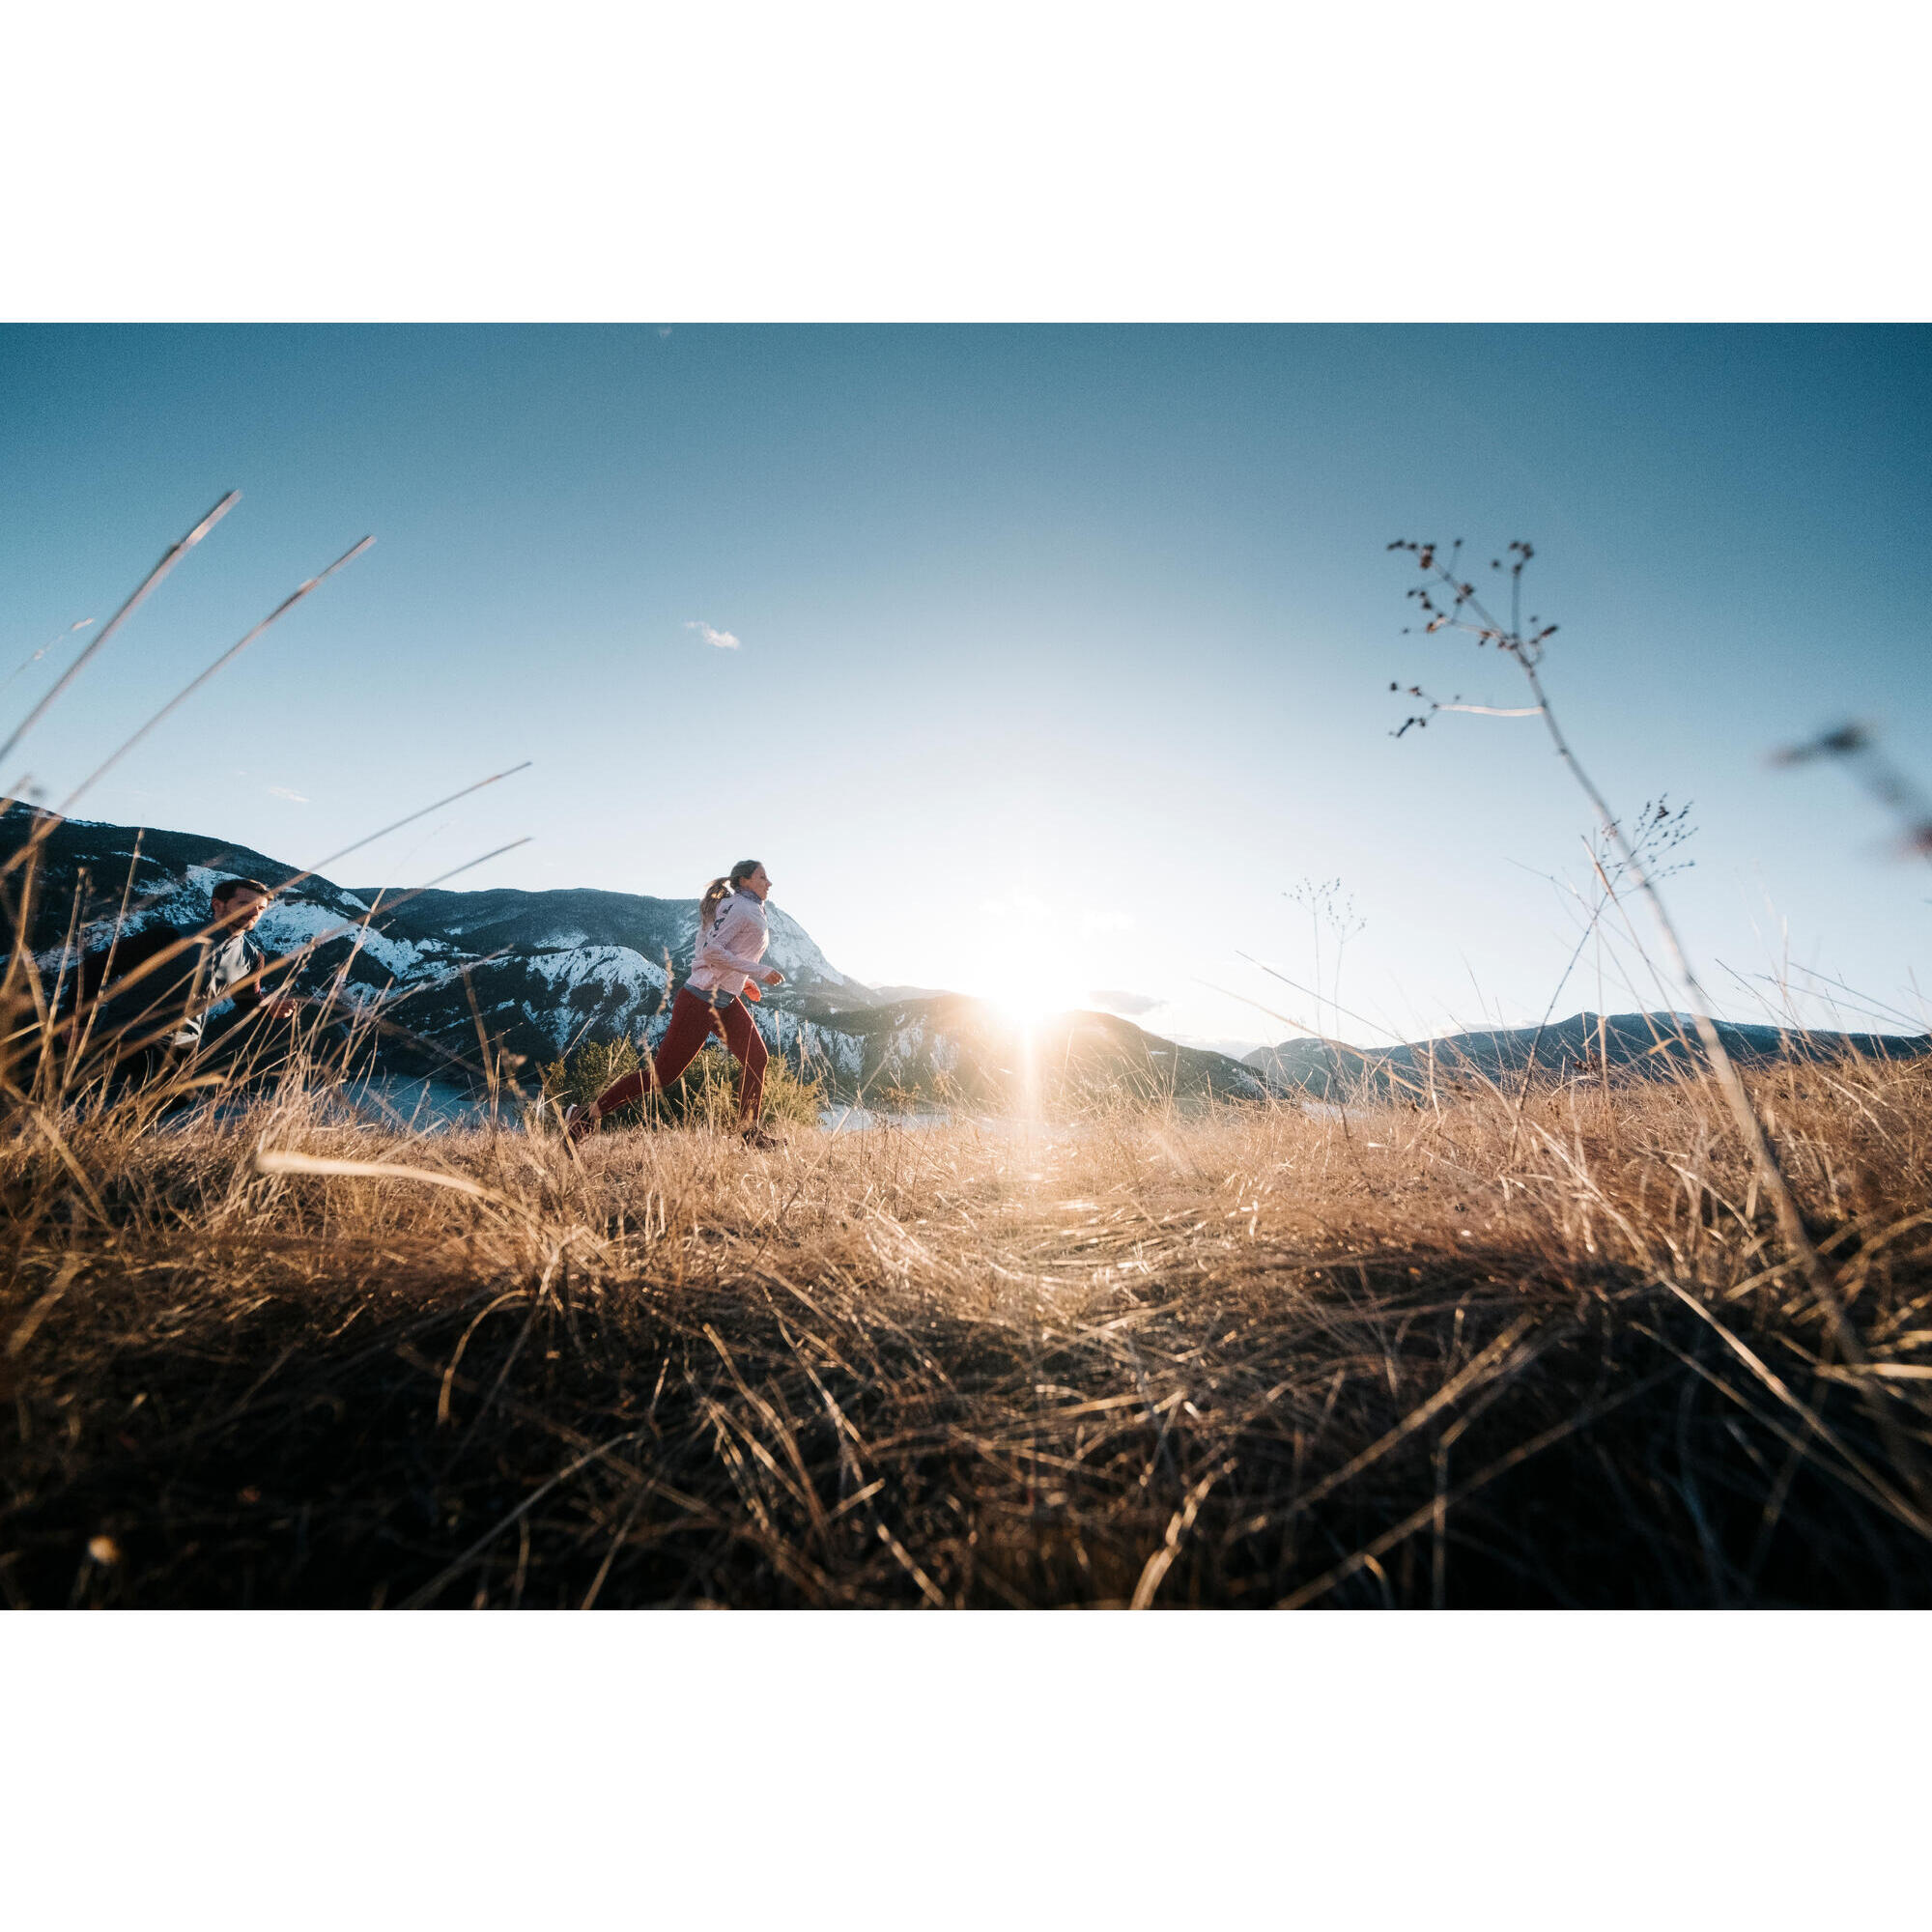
1658	1042
538	972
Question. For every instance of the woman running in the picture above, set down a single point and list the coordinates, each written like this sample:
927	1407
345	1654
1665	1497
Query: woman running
731	939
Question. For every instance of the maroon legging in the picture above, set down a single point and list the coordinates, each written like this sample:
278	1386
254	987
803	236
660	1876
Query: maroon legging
693	1021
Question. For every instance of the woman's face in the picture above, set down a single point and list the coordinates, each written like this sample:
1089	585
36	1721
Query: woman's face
759	882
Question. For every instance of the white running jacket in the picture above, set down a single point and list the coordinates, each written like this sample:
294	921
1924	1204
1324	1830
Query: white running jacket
728	954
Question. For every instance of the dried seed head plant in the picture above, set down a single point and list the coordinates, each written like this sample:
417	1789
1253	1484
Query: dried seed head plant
1328	907
1450	602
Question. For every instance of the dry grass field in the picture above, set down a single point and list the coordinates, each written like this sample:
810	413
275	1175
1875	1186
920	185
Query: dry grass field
1487	1351
1541	1346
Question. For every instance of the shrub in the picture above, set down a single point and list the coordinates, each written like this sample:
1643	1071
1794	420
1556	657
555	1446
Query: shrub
705	1094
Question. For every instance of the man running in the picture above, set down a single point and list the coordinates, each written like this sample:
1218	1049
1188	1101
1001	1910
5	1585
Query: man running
143	1002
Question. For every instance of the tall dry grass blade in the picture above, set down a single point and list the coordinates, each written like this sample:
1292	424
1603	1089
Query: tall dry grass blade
24	1329
1494	1356
1891	1498
1420	1518
1372	1066
220	664
1178	1524
396	825
168	561
78	1038
1299	988
277	1160
441	1580
33	658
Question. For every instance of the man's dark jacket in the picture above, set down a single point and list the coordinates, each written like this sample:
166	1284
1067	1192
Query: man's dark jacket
167	1005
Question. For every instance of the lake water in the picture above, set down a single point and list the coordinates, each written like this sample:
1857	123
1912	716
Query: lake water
436	1106
859	1119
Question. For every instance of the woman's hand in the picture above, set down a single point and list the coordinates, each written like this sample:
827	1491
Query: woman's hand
772	977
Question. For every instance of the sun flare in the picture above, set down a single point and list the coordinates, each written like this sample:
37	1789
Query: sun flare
1028	999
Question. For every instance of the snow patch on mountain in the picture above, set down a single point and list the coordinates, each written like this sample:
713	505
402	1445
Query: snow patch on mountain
795	955
291	925
607	966
907	1046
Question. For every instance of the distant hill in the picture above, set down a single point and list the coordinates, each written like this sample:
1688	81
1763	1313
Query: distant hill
941	1047
1637	1043
542	971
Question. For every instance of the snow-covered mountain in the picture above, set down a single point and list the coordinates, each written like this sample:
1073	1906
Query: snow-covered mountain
537	972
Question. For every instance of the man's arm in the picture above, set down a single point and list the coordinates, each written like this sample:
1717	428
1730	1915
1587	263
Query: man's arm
263	987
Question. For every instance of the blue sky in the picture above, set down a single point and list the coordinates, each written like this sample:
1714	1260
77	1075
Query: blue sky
1064	653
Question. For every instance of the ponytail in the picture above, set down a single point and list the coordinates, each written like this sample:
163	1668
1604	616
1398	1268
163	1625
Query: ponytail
716	891
707	907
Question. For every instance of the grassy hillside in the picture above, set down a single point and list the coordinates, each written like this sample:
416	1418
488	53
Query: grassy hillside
1462	1355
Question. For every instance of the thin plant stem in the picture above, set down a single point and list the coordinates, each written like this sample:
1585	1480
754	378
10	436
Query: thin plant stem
220	664
168	561
1790	1219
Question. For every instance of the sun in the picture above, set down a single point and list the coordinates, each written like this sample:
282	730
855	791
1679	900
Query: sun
1029	997
1026	963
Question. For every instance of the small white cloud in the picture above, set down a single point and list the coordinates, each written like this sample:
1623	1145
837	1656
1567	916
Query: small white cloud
282	791
724	640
